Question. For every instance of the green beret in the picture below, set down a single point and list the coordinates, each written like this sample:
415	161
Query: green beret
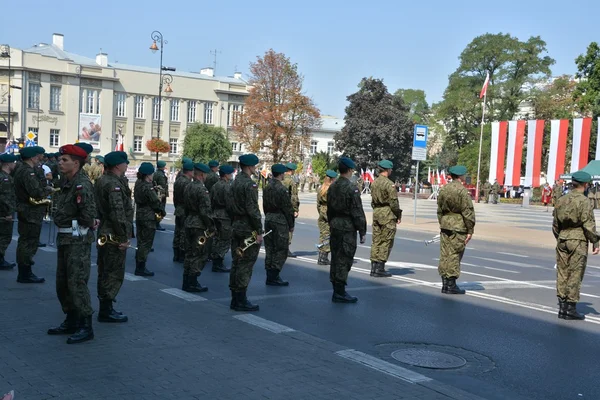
279	168
115	158
347	162
47	155
39	149
8	158
386	164
85	146
186	159
226	170
202	167
213	163
581	177
161	164
57	154
188	165
100	159
18	157
146	168
248	160
458	170
331	173
28	152
291	166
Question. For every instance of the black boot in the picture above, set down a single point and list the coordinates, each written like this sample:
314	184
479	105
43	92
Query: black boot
562	310
40	244
175	254
84	331
141	270
190	284
6	265
181	256
453	287
158	227
444	285
26	276
217	265
380	271
571	312
291	255
373	268
243	304
233	303
340	295
108	314
323	258
68	326
273	278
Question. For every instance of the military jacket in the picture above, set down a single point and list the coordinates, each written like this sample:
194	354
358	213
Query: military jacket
384	200
220	193
113	199
146	200
28	185
129	201
160	179
495	188
290	185
574	219
322	204
75	201
277	204
243	204
197	206
211	179
344	207
487	187
455	210
8	199
178	191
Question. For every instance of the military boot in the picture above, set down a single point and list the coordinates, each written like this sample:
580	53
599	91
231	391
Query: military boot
453	287
571	312
141	270
562	308
243	304
291	255
233	303
4	265
175	254
108	314
84	331
68	326
340	295
444	285
323	258
158	227
380	271
273	278
27	276
373	267
217	265
191	284
181	256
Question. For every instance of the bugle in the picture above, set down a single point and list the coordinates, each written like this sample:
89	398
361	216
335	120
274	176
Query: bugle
207	234
110	239
324	243
41	202
435	239
249	242
159	217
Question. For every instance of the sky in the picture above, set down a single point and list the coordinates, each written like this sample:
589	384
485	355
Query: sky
335	43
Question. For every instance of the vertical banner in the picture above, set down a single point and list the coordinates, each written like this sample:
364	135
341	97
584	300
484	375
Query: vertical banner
582	128
498	152
514	156
558	148
598	141
535	138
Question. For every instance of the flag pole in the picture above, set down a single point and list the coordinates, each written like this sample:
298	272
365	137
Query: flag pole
480	143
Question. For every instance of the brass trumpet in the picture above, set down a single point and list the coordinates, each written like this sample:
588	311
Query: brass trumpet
39	202
249	242
110	239
159	217
207	234
324	243
435	239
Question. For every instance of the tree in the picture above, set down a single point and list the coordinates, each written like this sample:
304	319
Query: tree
204	143
416	103
277	116
587	93
555	100
377	126
321	162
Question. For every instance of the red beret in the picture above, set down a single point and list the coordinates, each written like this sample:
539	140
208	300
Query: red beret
73	150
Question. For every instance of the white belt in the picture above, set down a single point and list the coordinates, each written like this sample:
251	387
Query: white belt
65	230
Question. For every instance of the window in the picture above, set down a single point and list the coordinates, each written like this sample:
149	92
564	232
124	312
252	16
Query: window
175	110
191	111
139	107
33	99
174	143
313	147
121	99
54	137
234	146
330	147
55	94
233	114
156	110
137	144
90	101
208	113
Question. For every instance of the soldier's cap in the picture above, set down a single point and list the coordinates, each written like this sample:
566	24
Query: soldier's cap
146	168
202	167
213	163
100	159
57	154
279	168
19	158
188	165
85	146
581	177
72	150
47	155
184	159
115	158
39	149
28	152
291	166
8	158
331	173
386	164
248	160
161	164
347	162
226	170
458	170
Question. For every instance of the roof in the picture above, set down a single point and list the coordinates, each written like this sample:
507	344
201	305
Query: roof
329	123
51	50
593	168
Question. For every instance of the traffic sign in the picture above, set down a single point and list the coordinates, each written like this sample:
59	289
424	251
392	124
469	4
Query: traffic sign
29	143
30	135
419	150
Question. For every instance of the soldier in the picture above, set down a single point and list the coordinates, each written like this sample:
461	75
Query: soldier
161	185
97	169
113	200
220	193
8	206
495	191
75	219
360	183
556	192
302	182
386	214
457	220
346	217
213	175
487	188
279	218
31	207
243	205
322	221
290	185
184	177
197	222
573	227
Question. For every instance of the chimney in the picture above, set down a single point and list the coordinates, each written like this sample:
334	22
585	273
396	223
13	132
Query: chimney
208	71
58	40
102	59
237	75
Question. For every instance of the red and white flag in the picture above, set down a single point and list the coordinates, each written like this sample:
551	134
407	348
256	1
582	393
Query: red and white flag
498	151
582	129
485	86
535	139
514	154
559	130
442	178
119	146
309	169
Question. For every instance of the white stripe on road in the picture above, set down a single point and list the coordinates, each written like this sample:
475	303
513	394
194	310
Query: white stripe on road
47	249
512	254
263	323
183	295
492	268
513	263
134	278
382	366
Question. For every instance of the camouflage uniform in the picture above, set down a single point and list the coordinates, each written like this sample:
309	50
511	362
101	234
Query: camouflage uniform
360	183
179	235
220	193
495	192
487	188
211	179
279	217
8	206
147	205
292	188
160	179
322	220
556	194
95	172
386	213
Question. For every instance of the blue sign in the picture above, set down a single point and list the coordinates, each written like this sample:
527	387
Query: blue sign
29	143
420	136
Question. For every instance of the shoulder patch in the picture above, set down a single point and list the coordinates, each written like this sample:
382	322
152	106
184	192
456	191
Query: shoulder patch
355	190
32	173
79	187
117	189
254	185
5	179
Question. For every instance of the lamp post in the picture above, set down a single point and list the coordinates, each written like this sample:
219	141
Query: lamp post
5	53
165	79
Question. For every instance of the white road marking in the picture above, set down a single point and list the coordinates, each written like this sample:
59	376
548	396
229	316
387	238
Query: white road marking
512	254
47	249
166	231
134	278
382	366
513	263
363	246
263	323
183	295
492	268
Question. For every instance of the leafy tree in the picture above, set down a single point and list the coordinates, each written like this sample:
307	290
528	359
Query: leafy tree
377	126
555	100
204	143
277	116
321	162
417	104
587	93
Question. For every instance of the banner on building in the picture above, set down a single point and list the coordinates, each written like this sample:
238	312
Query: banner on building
90	129
535	139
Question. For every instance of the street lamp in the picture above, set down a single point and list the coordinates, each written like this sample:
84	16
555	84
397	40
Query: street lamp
5	53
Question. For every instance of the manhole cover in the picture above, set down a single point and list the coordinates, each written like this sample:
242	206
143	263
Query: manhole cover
428	359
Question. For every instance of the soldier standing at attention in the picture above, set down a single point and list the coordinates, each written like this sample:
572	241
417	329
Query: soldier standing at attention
220	193
184	177
75	219
573	227
279	217
211	179
386	214
113	200
302	182
161	185
457	220
346	217
495	192
487	188
556	193
292	187
322	221
247	223
8	206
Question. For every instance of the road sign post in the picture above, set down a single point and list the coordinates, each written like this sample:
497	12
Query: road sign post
419	153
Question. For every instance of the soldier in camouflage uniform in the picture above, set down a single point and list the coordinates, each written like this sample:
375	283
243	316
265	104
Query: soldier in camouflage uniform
457	220
8	206
279	218
292	187
147	206
211	179
96	169
198	222
360	183
322	221
346	217
556	193
161	185
247	222
386	214
573	227
495	192
75	219
220	193
184	177
113	200
487	189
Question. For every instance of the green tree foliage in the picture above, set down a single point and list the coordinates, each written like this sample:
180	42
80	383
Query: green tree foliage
555	100
321	162
417	104
204	143
587	93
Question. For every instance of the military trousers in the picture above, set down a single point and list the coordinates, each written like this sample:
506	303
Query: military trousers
242	266
290	235
72	275
571	261
323	234
486	197
111	271
195	254
276	244
452	249
343	248
179	234
222	240
384	235
145	232
6	231
29	239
